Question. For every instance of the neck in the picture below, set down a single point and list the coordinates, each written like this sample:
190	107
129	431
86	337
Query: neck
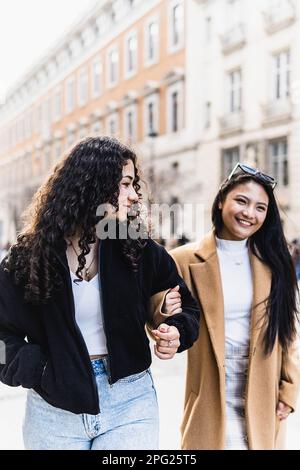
226	235
75	242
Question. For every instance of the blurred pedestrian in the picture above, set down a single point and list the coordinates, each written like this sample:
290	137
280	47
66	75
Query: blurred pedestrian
73	308
183	240
243	372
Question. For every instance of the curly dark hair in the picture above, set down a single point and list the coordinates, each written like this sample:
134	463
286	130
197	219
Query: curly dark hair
65	205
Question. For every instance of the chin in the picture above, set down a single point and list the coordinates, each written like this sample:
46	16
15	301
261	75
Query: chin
239	234
243	235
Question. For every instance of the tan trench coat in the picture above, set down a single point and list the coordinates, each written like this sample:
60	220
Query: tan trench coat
270	379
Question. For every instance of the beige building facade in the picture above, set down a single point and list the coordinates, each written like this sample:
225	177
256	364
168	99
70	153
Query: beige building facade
120	72
193	85
243	82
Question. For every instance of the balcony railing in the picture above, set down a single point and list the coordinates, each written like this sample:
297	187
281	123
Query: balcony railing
233	39
279	110
279	16
231	123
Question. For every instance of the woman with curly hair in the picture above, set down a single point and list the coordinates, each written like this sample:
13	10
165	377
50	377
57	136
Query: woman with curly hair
73	308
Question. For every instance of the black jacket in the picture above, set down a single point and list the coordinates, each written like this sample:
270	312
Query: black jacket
44	346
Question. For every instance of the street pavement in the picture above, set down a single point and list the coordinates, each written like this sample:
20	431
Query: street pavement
169	380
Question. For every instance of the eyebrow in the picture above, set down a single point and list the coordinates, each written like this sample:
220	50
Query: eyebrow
128	176
243	195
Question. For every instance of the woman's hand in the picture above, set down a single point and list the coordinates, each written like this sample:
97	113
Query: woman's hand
172	302
167	341
283	410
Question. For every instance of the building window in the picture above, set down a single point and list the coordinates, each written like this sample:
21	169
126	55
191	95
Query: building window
207	114
130	55
281	76
96	128
234	91
231	157
130	122
83	83
174	111
70	89
57	105
151	42
97	71
113	124
278	161
175	107
151	115
176	25
113	66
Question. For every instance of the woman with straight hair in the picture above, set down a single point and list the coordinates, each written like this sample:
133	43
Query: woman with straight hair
243	372
73	307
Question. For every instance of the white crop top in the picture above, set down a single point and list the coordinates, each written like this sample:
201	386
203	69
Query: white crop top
88	314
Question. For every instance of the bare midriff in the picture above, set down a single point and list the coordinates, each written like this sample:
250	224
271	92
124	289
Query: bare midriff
98	356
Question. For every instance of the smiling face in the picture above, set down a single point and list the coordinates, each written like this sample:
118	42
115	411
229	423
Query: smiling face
244	211
127	194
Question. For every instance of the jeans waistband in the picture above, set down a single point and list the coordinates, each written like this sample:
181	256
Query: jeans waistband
98	366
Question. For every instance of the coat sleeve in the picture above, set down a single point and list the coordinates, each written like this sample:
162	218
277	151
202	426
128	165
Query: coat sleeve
186	322
290	376
21	363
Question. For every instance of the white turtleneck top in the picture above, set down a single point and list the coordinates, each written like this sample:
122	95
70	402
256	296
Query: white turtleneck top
237	288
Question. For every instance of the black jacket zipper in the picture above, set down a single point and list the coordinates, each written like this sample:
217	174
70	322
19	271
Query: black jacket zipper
100	280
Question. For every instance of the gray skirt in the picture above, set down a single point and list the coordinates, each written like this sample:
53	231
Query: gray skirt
236	367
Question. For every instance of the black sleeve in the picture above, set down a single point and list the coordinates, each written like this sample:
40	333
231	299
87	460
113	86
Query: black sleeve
21	363
167	277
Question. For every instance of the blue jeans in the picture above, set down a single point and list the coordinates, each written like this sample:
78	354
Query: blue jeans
128	419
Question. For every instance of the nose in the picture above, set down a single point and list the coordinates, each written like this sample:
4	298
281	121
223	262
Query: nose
133	196
248	212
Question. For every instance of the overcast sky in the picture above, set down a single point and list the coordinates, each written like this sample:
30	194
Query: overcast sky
28	28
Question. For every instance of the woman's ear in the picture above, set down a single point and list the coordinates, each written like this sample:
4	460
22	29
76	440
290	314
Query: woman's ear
220	206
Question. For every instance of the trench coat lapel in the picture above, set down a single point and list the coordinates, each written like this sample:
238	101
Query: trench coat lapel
207	280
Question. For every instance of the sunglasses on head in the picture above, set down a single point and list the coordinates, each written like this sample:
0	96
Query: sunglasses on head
253	172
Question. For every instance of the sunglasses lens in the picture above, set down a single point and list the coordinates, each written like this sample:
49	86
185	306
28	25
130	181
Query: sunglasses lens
248	169
268	178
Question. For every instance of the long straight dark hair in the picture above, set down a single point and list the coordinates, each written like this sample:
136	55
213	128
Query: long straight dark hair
270	246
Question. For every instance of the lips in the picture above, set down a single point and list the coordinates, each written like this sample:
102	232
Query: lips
243	222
